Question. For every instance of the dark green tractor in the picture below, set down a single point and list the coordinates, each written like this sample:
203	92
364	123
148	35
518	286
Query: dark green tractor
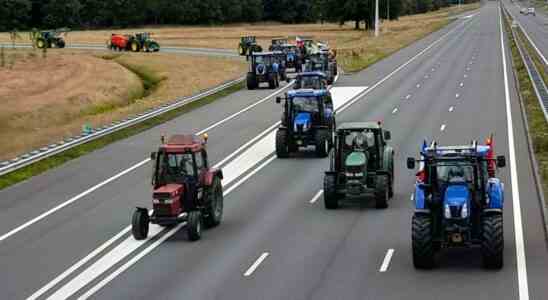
248	45
143	41
49	38
361	165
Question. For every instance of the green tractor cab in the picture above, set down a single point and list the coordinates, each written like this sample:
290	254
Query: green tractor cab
361	165
248	45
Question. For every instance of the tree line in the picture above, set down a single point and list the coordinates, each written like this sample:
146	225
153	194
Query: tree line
87	14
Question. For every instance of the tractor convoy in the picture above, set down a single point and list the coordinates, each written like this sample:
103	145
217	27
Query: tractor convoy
458	198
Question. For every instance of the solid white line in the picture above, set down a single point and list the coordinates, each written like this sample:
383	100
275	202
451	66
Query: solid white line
442	128
317	196
386	261
71	200
122	173
256	264
523	286
130	262
395	110
78	264
451	108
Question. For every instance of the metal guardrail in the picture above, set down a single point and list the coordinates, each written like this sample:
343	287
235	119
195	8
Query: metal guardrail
71	142
536	79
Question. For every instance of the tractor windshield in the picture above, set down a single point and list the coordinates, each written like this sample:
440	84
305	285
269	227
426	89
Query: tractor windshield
310	82
174	167
305	104
261	59
455	173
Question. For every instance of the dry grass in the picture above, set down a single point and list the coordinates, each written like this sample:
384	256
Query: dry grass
44	100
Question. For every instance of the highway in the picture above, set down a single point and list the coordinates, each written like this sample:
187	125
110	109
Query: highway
536	27
277	241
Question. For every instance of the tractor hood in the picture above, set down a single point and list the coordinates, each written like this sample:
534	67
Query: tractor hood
302	122
456	201
356	162
167	191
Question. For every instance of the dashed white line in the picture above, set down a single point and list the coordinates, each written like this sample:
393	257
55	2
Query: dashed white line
256	264
467	69
457	95
395	110
451	108
461	84
386	261
407	97
465	75
442	128
418	85
317	196
426	76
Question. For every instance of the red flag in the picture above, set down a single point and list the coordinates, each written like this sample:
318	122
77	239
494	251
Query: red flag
491	165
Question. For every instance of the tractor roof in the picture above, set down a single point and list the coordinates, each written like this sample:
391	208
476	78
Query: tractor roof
263	53
183	143
359	125
306	93
312	74
472	150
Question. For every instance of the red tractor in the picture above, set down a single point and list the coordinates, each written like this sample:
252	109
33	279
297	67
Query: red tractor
133	42
186	189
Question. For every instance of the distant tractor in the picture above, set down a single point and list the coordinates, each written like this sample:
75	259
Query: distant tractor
49	38
248	45
294	58
308	119
185	189
133	42
277	44
361	165
324	63
263	67
458	202
311	80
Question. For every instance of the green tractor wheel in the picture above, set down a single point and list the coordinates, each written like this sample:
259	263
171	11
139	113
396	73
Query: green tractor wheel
60	43
135	46
241	50
40	43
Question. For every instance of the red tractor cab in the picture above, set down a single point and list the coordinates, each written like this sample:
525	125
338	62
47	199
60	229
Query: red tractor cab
186	188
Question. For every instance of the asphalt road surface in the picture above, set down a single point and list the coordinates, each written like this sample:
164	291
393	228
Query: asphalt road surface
276	240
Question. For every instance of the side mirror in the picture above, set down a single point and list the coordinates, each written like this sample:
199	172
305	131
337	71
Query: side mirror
410	163
387	135
278	99
153	156
501	161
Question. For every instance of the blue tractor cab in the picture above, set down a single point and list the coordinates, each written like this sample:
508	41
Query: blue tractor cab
308	120
323	63
263	67
311	80
458	202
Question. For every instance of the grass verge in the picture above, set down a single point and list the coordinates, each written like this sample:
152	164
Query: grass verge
538	128
61	158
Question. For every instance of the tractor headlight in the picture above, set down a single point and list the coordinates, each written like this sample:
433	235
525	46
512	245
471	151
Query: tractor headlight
155	201
353	174
162	201
464	211
447	212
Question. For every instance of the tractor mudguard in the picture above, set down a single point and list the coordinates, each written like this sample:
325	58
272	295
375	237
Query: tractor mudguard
388	159
142	209
495	191
209	176
420	201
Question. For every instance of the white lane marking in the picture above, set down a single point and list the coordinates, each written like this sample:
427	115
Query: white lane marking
418	85
407	97
442	128
457	95
461	84
426	76
256	264
451	108
467	69
465	75
395	111
316	197
470	63
412	196
70	201
433	69
523	286
232	171
126	171
78	264
386	261
404	65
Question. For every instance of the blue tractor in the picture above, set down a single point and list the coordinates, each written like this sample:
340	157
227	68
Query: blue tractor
458	202
311	80
263	67
308	120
